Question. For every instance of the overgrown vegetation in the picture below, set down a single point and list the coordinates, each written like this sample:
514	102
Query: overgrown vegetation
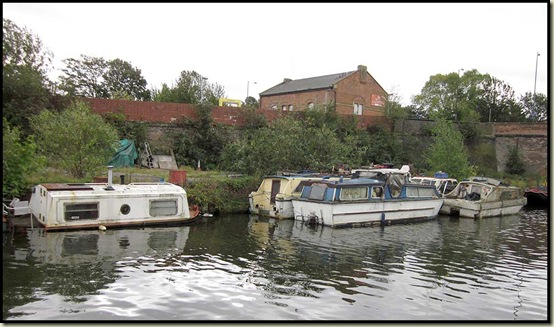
448	152
515	164
75	140
19	161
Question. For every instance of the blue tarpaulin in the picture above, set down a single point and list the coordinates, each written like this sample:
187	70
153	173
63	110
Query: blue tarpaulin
125	155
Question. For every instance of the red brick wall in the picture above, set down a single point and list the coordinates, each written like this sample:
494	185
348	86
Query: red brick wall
299	100
163	112
520	128
359	88
148	111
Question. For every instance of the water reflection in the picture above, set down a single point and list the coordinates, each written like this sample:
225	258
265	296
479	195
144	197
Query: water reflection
80	263
247	267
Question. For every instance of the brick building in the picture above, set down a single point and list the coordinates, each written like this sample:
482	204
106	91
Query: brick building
355	92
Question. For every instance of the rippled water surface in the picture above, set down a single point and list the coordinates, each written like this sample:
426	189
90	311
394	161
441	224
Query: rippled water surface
243	267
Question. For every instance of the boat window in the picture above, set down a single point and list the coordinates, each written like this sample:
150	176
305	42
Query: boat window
163	207
376	192
354	193
317	192
125	209
506	195
420	192
76	211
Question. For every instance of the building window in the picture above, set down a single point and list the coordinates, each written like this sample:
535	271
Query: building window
284	107
310	105
291	107
358	109
274	107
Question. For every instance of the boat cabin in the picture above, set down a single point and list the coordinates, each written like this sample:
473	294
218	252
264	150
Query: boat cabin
363	189
59	206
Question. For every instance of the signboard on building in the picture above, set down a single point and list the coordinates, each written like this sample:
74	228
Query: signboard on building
377	100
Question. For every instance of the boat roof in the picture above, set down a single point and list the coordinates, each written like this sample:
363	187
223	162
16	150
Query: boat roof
435	178
298	176
404	170
352	182
102	188
485	180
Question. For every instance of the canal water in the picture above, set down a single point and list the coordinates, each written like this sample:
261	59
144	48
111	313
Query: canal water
243	267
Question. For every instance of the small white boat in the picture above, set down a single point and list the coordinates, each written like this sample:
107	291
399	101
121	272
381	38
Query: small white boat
273	196
365	202
381	171
441	181
480	197
60	206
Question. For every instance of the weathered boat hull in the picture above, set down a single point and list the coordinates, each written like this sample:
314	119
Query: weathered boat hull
481	197
273	197
477	209
355	214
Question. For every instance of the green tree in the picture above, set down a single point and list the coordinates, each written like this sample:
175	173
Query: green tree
201	140
19	160
75	140
95	77
497	101
137	131
192	88
394	108
84	77
251	102
122	77
25	86
535	108
294	145
439	97
468	98
448	152
515	164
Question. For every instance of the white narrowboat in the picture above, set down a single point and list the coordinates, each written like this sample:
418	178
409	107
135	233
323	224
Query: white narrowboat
62	206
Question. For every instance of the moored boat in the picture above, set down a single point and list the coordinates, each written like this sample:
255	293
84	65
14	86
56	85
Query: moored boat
366	202
62	206
440	180
273	196
480	197
537	196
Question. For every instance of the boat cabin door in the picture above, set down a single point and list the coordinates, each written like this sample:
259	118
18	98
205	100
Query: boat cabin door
275	188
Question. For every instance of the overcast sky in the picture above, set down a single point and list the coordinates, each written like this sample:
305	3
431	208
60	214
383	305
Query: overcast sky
238	44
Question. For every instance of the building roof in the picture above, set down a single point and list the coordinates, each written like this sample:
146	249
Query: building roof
306	84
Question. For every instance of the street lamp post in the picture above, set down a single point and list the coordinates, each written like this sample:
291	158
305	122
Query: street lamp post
248	88
204	79
457	93
535	88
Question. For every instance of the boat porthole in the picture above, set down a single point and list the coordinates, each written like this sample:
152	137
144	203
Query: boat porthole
125	209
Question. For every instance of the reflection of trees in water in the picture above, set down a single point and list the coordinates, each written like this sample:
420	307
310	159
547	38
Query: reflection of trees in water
293	259
74	282
477	247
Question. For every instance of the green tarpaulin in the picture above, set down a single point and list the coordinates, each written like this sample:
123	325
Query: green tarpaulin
125	155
